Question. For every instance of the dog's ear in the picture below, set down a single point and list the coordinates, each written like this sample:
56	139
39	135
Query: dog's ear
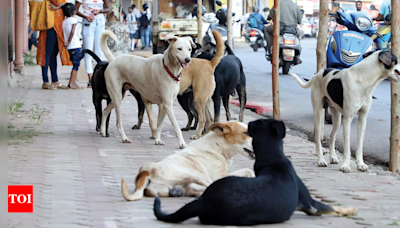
279	128
219	128
368	54
387	58
191	41
171	38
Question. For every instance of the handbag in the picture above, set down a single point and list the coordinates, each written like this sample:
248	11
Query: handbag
41	17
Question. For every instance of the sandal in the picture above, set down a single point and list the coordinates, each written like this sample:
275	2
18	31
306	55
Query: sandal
59	85
48	86
74	87
89	85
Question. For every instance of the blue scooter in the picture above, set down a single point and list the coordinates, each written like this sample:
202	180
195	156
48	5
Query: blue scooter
346	48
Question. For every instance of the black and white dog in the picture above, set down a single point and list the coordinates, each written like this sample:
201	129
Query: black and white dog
229	75
100	92
271	197
348	92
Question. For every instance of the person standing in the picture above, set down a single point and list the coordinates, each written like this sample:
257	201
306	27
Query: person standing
93	25
360	9
144	23
50	43
132	25
72	43
242	24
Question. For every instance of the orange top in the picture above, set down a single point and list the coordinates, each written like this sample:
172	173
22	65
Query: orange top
41	48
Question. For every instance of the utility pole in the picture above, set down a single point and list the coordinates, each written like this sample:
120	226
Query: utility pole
275	61
394	162
199	21
321	44
229	22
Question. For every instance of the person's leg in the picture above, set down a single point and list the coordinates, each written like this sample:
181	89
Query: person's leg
51	41
88	41
148	37
75	57
268	33
53	62
142	37
99	29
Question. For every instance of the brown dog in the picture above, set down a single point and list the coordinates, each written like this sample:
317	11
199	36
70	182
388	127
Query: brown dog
200	77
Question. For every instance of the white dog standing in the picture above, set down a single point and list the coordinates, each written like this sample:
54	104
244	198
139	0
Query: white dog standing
348	92
155	78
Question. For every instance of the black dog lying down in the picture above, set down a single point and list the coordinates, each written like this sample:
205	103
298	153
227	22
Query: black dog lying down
271	197
100	92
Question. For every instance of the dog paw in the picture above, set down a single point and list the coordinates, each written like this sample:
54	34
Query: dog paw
159	142
194	137
126	140
185	129
182	145
176	191
107	135
334	160
103	134
136	127
152	137
362	167
345	168
322	163
193	128
97	129
340	211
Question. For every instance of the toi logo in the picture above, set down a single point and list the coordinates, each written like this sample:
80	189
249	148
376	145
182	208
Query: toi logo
20	198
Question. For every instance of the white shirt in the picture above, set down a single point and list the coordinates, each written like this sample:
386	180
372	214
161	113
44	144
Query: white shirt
67	27
129	19
136	12
89	5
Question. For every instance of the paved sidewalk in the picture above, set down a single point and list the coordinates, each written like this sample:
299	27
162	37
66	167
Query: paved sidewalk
76	173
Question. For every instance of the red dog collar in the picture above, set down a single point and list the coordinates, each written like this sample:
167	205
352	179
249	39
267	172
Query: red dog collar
170	73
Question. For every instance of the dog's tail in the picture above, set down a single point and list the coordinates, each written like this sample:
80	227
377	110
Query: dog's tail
103	44
229	49
220	49
89	52
301	83
188	211
142	180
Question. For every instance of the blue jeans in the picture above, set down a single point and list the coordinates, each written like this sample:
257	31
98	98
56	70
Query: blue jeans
75	57
91	33
51	56
145	36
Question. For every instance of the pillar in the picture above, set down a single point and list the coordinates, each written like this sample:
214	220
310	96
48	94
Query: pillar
19	31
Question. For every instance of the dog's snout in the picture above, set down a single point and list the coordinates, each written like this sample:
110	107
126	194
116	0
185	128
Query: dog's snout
187	60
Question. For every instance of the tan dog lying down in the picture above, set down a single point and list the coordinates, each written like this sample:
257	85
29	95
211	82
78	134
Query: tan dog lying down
190	171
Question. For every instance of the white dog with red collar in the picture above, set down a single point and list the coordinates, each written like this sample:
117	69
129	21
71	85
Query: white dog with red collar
155	78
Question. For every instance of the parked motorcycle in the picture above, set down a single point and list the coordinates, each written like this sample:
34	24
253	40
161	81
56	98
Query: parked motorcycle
385	31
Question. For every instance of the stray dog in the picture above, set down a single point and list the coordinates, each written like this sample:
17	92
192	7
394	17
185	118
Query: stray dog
155	78
190	171
348	92
100	91
271	197
199	80
229	75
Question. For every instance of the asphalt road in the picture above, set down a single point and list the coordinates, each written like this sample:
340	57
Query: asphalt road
295	101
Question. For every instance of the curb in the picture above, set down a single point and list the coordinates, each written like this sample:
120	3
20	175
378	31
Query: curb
259	109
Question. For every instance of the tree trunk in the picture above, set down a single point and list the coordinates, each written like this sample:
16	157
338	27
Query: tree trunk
229	22
322	34
275	61
394	163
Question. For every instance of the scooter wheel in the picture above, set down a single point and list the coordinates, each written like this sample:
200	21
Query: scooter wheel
255	47
286	67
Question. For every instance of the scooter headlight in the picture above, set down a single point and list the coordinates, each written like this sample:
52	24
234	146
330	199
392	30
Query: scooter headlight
333	44
363	23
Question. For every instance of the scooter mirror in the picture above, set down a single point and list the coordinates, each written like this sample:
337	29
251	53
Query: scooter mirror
266	9
233	14
372	7
218	3
302	11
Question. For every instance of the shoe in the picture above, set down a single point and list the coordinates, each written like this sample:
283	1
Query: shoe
142	48
268	56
